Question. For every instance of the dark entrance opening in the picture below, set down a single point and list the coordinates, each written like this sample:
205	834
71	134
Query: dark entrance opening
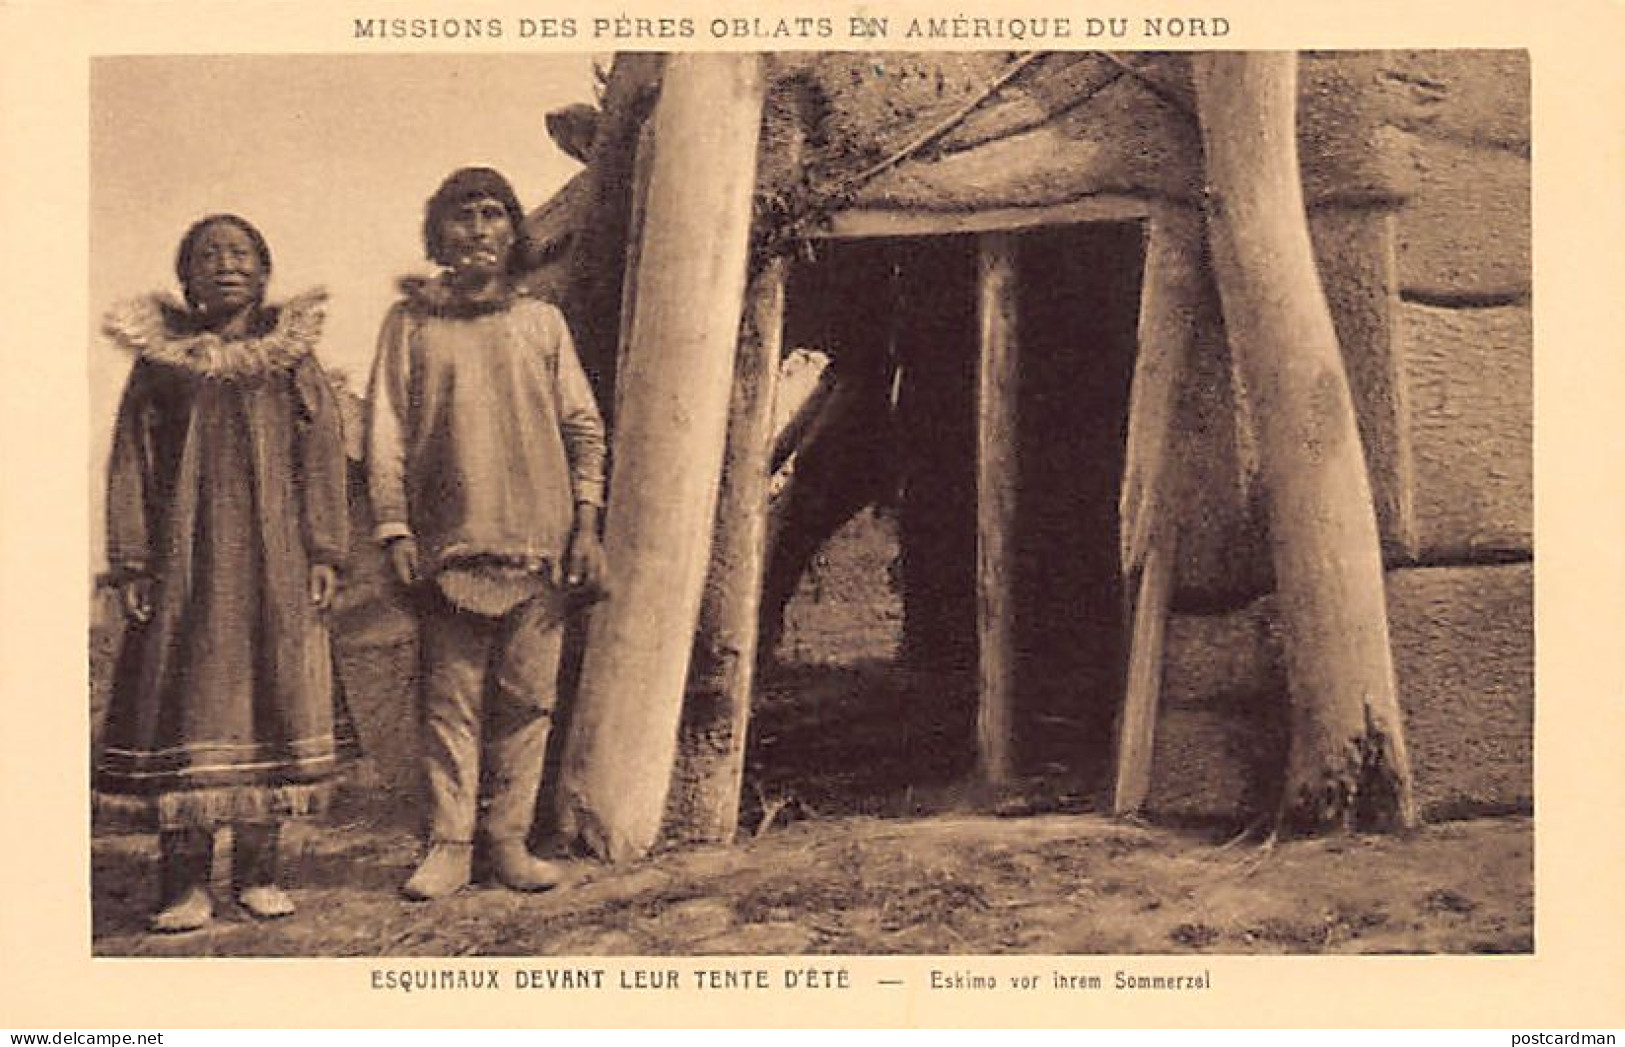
898	318
1078	332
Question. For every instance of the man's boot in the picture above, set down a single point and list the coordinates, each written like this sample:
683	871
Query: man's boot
254	866
445	870
519	870
186	860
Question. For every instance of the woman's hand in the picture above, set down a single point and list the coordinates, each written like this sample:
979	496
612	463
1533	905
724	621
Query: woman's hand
324	583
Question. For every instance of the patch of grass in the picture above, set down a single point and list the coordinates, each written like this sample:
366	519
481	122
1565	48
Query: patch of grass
1296	935
1344	923
1195	935
1443	899
938	902
789	898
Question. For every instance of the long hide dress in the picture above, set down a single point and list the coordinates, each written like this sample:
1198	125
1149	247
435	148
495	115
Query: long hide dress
226	483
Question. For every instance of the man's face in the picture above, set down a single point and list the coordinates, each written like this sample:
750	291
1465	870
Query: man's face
225	273
476	237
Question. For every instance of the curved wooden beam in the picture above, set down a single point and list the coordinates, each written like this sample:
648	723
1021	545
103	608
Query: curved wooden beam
1347	763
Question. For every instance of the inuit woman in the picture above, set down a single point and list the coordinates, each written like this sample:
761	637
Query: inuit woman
226	527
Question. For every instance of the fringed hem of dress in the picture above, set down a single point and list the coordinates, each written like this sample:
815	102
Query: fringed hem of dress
212	808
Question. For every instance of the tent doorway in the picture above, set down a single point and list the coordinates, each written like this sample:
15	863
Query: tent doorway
1078	335
898	316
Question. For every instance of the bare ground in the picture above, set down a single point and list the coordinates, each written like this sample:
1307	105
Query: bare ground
1046	884
861	840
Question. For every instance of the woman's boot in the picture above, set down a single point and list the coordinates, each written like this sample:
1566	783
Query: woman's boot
186	859
254	867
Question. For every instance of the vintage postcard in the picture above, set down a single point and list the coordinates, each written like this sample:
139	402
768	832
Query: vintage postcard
836	515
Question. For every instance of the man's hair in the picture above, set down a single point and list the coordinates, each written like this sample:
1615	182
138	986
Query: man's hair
465	184
188	247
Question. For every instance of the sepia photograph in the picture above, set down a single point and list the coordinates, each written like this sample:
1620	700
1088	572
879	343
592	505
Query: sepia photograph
812	503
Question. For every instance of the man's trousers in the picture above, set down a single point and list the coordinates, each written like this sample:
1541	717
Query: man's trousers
489	686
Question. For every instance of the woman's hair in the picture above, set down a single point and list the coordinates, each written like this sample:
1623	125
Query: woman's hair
465	184
183	255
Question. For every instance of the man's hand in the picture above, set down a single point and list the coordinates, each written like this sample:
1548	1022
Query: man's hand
324	583
584	563
136	596
403	559
583	569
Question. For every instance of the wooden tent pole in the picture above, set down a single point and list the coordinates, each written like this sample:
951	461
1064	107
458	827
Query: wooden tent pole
716	713
996	475
596	287
1176	283
638	201
669	439
1346	763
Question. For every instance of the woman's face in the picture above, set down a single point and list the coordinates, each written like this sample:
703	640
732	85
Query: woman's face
476	237
225	274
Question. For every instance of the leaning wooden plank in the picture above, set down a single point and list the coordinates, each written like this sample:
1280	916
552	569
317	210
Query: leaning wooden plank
1137	726
618	756
594	289
716	711
806	386
996	471
642	164
1177	286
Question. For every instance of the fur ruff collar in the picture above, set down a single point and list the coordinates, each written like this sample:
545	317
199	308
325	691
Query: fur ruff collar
161	329
433	296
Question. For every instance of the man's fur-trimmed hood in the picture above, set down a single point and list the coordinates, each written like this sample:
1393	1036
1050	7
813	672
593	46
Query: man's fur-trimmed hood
433	296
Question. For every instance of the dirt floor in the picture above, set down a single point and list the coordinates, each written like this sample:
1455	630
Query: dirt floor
860	841
1044	884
